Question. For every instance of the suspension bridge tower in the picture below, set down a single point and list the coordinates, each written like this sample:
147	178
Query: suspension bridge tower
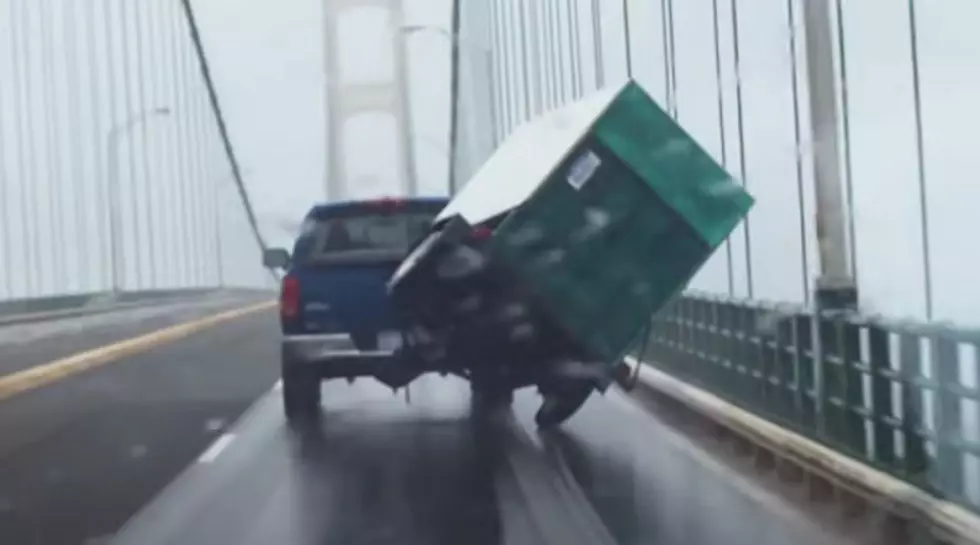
347	100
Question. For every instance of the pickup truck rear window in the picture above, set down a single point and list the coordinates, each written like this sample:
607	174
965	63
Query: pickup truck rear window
366	236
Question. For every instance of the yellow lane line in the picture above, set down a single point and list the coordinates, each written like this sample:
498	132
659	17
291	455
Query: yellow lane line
47	373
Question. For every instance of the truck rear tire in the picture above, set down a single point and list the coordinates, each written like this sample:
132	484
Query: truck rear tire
300	394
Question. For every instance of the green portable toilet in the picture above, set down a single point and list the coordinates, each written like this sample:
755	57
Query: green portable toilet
608	209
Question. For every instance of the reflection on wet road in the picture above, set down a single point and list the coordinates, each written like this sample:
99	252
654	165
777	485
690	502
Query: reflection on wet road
649	484
372	471
375	473
377	469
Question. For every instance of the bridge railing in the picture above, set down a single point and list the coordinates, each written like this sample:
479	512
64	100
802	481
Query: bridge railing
899	396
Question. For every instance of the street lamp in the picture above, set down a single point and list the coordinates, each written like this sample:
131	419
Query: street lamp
412	29
113	138
457	42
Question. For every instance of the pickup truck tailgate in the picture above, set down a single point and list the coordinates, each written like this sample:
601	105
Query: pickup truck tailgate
347	298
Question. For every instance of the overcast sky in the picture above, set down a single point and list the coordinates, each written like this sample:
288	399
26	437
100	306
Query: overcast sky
267	59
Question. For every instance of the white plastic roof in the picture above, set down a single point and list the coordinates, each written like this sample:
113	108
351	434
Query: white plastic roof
525	159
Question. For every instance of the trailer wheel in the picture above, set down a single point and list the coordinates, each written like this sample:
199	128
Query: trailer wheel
300	394
560	405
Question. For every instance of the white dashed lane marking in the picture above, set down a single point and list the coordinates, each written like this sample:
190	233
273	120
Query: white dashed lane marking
216	448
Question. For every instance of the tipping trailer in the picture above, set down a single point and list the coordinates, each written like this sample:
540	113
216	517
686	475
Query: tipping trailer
546	267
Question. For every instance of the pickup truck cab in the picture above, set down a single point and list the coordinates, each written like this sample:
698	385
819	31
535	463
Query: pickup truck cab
335	315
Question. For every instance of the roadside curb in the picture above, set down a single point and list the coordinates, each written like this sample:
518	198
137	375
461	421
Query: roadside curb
901	501
105	304
103	308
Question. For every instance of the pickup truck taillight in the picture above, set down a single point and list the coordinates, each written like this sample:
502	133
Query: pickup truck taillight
289	298
388	205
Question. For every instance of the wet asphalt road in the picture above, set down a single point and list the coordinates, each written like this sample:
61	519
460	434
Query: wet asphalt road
25	345
80	457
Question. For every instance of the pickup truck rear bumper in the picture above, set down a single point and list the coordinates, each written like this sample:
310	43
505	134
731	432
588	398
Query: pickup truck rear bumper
332	356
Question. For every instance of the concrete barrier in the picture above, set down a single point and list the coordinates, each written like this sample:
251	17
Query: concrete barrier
905	506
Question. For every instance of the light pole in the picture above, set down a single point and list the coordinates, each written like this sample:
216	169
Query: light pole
458	42
114	137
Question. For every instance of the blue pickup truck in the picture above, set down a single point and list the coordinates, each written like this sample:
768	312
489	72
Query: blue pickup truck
335	315
341	320
542	271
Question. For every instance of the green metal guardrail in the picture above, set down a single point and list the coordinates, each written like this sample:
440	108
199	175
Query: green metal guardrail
901	397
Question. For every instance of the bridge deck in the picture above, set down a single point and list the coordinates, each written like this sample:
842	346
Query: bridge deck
82	455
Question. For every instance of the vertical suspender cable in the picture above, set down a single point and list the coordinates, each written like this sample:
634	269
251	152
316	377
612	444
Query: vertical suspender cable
222	127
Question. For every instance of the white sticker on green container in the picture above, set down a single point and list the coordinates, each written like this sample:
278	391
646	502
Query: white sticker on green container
583	168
